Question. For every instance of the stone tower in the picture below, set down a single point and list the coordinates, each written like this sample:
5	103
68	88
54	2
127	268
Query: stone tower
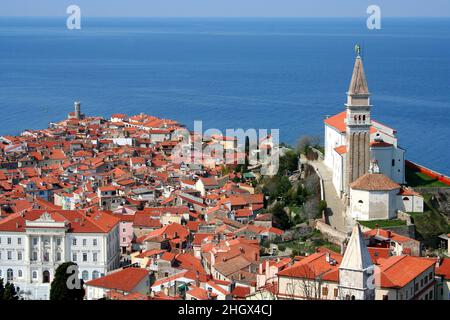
357	126
356	269
77	111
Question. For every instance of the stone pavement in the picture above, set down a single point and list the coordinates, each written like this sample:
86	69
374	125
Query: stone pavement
335	213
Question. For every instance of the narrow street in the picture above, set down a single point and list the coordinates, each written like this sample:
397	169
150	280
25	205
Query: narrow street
335	214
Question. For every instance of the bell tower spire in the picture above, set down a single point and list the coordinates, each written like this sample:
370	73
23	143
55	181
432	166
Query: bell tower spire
357	124
356	269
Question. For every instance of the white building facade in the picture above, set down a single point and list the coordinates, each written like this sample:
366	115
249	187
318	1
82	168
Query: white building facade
34	244
356	119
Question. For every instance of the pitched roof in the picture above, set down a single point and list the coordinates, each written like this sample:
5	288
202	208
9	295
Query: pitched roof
398	271
313	266
356	256
374	182
337	121
444	268
358	83
200	293
341	149
124	280
233	265
77	220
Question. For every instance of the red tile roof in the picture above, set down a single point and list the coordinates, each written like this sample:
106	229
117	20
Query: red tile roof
314	265
444	268
341	149
398	271
79	222
374	182
124	280
337	121
240	292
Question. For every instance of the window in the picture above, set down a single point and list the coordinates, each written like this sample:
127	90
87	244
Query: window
58	256
9	253
84	257
94	242
19	255
123	229
35	241
34	274
74	242
385	297
124	239
360	201
324	291
35	257
9	275
85	275
95	274
19	241
94	256
58	241
84	242
46	276
74	257
19	273
393	162
336	292
9	240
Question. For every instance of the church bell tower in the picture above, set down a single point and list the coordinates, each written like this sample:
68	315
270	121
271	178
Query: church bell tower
357	125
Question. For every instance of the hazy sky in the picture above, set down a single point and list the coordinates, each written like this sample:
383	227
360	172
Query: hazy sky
226	8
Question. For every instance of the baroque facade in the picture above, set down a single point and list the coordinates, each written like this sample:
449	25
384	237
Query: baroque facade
35	243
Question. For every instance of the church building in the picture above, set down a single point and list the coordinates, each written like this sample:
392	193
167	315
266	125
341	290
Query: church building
367	164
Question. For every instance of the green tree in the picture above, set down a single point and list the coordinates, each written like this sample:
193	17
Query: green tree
10	292
276	187
302	194
2	289
60	290
280	218
288	163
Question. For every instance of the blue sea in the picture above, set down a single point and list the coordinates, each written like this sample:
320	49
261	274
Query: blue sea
285	74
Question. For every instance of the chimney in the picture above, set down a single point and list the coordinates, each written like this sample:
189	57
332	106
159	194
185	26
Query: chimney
197	279
327	257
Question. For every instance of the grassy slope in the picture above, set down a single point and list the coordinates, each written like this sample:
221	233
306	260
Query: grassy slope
417	179
383	223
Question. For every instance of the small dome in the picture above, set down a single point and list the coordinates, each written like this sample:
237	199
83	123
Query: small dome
374	182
